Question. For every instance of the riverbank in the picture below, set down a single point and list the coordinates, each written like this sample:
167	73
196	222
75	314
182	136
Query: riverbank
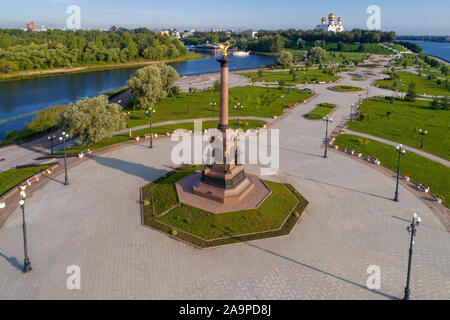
60	71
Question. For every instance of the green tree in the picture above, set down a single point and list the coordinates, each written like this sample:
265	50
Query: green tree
444	70
151	84
411	94
92	119
133	50
316	54
285	59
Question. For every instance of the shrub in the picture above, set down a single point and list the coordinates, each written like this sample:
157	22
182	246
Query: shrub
174	233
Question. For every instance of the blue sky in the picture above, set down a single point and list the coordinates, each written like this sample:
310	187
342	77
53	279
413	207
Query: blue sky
402	16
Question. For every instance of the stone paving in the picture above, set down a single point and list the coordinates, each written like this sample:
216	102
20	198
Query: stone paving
350	224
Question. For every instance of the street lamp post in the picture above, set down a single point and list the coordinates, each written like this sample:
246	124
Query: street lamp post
26	263
64	138
328	120
412	229
422	133
51	139
401	152
213	104
282	97
238	108
149	113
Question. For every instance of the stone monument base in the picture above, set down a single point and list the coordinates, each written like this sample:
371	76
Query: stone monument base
249	194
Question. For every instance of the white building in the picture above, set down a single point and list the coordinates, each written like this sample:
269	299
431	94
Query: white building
331	26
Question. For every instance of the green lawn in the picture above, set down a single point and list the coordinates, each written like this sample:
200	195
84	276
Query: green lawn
411	59
401	122
347	88
354	48
258	102
320	111
397	47
431	173
423	85
303	76
244	124
435	72
270	215
13	177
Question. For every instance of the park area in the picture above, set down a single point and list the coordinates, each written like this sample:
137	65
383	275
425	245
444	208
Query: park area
423	84
421	169
401	122
294	76
257	102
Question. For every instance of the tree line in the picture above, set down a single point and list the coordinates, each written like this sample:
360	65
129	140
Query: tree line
26	50
274	41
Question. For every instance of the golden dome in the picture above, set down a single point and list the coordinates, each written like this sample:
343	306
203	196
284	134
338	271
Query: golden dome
331	16
339	19
324	19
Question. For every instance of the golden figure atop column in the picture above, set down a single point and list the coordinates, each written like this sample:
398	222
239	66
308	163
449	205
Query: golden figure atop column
224	47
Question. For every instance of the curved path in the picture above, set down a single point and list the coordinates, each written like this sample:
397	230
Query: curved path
350	224
422	153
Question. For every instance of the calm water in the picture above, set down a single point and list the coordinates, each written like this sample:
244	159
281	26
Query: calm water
437	49
21	99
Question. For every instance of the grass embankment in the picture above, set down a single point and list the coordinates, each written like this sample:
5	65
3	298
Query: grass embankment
257	102
401	122
423	85
87	68
347	88
13	177
284	204
244	124
321	111
397	47
431	173
298	76
45	122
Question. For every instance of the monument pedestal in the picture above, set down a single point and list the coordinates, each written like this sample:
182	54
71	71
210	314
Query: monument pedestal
224	187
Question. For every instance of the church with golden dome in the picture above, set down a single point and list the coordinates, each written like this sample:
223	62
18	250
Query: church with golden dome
331	26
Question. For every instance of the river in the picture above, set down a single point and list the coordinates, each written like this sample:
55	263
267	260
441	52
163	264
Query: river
21	99
438	49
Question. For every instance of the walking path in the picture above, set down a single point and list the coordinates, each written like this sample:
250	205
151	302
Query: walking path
409	148
350	224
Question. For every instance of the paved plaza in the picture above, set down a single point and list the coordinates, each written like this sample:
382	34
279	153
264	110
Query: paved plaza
350	224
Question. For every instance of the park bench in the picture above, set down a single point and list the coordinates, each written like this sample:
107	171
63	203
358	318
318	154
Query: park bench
349	151
423	187
373	160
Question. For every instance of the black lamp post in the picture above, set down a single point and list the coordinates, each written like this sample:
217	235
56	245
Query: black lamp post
238	108
51	139
213	104
412	231
422	133
328	120
64	138
26	263
401	152
149	113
